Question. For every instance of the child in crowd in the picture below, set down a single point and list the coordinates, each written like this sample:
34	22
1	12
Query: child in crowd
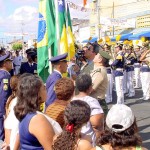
77	113
96	123
121	132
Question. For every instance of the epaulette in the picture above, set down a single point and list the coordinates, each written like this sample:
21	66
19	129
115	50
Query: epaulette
95	71
119	57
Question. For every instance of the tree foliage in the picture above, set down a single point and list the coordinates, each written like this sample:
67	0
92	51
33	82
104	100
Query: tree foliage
17	46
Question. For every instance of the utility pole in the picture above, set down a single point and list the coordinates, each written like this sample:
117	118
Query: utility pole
99	19
113	15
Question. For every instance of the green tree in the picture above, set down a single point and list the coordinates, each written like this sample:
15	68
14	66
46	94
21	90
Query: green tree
17	46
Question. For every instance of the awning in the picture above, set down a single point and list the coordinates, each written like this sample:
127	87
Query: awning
139	35
123	37
91	41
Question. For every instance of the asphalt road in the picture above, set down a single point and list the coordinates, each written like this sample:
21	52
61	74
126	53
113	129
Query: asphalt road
141	110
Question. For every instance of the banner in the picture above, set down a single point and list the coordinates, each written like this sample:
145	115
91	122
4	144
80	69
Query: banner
79	8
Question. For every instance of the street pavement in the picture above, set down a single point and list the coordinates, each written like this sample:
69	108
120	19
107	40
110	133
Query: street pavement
141	110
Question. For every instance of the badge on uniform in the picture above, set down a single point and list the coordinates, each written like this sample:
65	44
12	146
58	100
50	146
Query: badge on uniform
35	71
5	87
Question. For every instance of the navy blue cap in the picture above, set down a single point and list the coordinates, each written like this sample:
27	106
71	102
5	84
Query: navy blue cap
59	58
2	49
5	57
31	53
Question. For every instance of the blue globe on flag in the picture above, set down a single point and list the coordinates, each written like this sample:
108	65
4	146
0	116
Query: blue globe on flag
41	28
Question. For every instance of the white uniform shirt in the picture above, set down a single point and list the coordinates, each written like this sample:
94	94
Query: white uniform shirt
95	109
17	60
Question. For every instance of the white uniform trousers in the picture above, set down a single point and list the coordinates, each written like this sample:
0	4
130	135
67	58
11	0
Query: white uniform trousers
137	77
125	90
130	84
108	96
119	89
145	80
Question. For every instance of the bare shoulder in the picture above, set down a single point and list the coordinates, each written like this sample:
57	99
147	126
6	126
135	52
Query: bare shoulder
38	122
93	148
38	117
84	145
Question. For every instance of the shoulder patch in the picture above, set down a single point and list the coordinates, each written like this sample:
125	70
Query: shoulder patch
95	71
5	80
119	57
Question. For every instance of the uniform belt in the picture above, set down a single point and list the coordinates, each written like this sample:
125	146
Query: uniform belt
136	63
130	65
119	69
145	65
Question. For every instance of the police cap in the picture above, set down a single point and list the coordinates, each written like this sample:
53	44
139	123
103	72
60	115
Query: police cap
59	58
5	57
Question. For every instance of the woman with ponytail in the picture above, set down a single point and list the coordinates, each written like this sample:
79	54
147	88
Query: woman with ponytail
76	114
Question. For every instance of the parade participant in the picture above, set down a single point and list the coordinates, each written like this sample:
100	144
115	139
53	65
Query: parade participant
108	96
5	90
137	67
125	89
95	125
99	78
17	62
60	66
118	64
36	130
90	51
64	89
2	51
30	66
121	132
76	115
130	59
107	48
145	72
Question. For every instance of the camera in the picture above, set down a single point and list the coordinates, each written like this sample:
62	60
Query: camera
80	57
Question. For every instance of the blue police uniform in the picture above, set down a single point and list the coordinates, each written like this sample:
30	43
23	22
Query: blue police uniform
28	68
119	66
50	83
5	92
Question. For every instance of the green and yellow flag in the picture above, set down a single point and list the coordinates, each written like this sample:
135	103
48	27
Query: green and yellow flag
71	47
46	36
62	27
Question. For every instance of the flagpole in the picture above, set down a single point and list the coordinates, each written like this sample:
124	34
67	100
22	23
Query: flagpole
57	26
66	7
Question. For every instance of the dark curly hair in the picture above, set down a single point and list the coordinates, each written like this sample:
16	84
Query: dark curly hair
64	89
126	138
83	82
28	95
77	113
